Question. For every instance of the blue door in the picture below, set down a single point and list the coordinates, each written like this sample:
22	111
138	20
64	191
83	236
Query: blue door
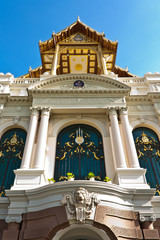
80	151
11	151
148	152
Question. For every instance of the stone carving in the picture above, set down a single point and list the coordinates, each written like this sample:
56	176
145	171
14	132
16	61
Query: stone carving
80	204
151	218
13	218
142	218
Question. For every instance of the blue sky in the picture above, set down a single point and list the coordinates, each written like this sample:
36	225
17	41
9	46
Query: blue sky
134	23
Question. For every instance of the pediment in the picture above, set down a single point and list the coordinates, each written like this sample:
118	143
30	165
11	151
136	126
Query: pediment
92	84
78	38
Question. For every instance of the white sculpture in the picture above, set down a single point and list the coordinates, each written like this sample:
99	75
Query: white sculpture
80	204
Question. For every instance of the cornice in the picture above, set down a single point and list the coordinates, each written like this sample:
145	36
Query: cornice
75	92
150	97
154	95
138	98
4	97
19	99
102	188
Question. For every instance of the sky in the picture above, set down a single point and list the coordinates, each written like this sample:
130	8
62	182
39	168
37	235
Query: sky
135	24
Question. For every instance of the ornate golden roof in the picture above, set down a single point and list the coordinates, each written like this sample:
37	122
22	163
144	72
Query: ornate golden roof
81	50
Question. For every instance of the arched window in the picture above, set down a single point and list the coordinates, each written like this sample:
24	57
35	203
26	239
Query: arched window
148	151
11	151
80	151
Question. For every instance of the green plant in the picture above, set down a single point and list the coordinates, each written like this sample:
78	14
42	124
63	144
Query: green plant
107	179
51	180
91	175
70	175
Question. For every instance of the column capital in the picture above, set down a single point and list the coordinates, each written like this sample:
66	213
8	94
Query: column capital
123	111
45	111
34	110
112	111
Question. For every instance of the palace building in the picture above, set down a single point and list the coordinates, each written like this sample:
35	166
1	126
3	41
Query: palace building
79	145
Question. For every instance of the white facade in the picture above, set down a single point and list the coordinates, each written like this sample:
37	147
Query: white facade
113	105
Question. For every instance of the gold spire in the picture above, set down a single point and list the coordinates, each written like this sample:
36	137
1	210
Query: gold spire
78	19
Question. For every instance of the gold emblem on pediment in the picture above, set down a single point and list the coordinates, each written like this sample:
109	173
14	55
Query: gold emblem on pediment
78	38
78	67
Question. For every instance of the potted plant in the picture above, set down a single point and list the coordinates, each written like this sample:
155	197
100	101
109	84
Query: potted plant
107	179
70	176
91	176
51	180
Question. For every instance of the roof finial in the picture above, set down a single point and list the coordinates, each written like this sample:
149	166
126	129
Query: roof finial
126	69
53	33
78	19
103	35
30	69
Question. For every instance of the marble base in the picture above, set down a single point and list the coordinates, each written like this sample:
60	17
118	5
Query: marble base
132	178
28	179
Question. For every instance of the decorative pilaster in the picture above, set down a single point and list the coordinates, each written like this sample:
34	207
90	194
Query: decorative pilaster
30	139
54	63
104	66
117	141
128	137
42	139
103	60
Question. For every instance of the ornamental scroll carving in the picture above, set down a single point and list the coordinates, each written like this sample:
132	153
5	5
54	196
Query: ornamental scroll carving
80	204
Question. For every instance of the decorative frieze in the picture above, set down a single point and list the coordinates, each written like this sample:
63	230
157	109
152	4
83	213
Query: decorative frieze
16	110
143	118
59	102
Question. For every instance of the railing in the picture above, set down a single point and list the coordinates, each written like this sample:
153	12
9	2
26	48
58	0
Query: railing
132	80
25	80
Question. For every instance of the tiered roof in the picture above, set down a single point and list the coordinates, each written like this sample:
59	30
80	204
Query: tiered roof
48	47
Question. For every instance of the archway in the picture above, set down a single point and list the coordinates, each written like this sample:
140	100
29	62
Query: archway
79	150
81	232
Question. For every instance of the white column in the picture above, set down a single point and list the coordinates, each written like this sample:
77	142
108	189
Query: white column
42	140
117	141
30	139
54	63
128	137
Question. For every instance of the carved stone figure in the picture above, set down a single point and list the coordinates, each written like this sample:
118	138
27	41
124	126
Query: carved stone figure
80	204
